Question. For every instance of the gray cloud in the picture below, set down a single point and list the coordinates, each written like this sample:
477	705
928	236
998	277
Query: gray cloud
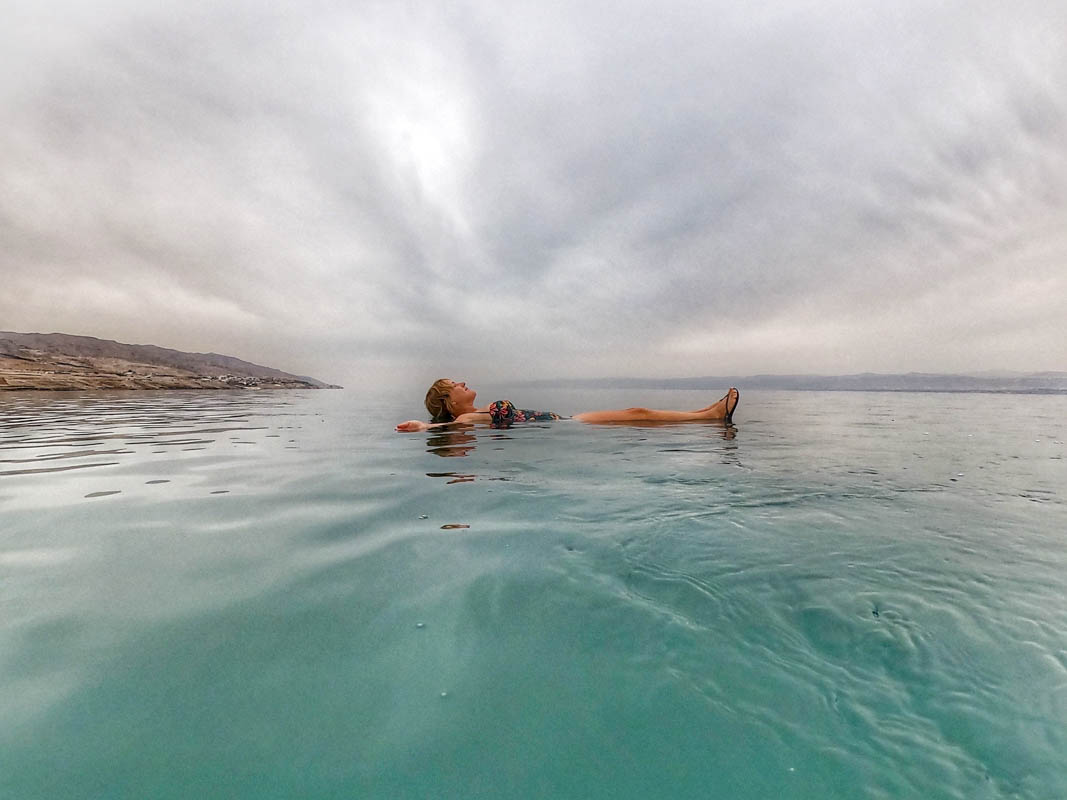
539	189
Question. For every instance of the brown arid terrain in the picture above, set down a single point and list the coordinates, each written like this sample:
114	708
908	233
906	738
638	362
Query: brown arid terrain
61	362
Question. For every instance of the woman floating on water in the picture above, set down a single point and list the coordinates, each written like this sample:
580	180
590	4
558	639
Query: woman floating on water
451	401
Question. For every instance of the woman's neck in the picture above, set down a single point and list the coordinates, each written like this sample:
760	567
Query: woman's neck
466	409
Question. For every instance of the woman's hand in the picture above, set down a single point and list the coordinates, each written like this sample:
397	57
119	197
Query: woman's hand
412	426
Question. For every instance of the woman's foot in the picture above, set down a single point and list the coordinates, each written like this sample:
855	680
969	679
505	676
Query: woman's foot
724	409
733	397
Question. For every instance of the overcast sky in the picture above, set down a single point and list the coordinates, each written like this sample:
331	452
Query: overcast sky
497	190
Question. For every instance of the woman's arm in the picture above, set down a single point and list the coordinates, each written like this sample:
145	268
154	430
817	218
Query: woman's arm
414	425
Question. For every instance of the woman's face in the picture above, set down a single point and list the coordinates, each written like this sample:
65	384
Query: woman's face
460	396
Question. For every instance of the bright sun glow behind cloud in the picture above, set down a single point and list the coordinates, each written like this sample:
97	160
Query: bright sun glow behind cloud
543	189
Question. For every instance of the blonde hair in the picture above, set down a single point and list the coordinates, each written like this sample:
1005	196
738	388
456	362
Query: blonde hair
437	400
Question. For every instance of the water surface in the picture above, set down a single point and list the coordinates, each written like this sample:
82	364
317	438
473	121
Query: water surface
257	595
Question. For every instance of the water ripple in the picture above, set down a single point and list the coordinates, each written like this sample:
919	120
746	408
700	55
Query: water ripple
842	598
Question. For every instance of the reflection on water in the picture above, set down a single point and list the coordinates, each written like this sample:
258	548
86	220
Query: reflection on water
44	428
462	441
452	443
86	432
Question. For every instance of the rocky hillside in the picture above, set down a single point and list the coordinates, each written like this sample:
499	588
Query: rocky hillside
58	361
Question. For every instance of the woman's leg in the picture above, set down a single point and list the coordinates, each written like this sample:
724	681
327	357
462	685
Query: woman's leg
722	410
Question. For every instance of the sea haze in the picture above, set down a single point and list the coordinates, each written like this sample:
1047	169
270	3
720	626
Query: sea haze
1009	382
272	594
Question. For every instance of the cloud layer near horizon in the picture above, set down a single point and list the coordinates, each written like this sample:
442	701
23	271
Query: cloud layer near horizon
542	190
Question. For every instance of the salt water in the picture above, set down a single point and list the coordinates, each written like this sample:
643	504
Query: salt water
272	595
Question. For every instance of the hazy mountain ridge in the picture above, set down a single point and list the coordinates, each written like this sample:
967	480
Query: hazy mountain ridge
991	381
59	361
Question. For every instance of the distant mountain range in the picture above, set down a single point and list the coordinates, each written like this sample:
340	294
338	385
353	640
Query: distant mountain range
1008	382
59	361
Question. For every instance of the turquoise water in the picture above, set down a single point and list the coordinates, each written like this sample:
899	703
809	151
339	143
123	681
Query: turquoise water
262	595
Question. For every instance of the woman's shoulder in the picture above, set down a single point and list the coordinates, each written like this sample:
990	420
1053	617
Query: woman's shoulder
493	411
473	416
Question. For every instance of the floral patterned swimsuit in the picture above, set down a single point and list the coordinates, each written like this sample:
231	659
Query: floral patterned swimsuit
502	414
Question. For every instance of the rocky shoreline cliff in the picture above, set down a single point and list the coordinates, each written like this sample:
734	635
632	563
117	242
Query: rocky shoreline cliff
62	362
